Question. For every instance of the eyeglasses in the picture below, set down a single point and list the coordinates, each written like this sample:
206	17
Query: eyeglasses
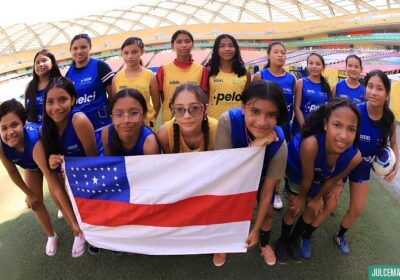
132	115
193	110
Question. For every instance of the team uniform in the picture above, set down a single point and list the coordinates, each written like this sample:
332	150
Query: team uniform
356	95
312	98
136	150
322	172
225	93
287	83
176	73
24	159
39	106
212	127
142	84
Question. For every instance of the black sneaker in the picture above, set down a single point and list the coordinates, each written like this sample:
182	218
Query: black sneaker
93	250
281	252
294	250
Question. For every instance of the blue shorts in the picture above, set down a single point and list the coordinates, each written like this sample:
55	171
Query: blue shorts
361	173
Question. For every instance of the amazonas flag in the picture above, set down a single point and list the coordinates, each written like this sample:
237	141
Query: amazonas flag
190	203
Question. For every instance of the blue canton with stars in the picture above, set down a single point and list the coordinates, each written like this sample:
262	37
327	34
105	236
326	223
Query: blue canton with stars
102	178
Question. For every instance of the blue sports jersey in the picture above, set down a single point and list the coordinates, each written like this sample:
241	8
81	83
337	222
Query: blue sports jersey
312	98
137	150
371	138
39	105
24	159
92	95
356	95
287	83
321	170
72	147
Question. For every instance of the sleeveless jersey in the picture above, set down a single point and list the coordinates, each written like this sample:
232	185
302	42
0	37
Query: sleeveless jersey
225	92
39	105
175	76
356	95
136	150
142	84
72	147
212	126
92	95
24	159
321	170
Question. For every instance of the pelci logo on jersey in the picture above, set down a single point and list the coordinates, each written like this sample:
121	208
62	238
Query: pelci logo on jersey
86	98
365	138
226	97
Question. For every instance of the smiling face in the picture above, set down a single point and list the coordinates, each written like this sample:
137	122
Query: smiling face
341	129
261	116
12	130
277	55
80	50
353	68
127	117
376	92
131	54
42	65
58	104
315	65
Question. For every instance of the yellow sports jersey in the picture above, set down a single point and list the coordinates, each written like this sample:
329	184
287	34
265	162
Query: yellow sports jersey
225	93
173	77
142	84
212	126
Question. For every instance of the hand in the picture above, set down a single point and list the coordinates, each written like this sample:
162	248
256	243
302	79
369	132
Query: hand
265	141
315	206
32	202
55	161
392	174
252	239
295	205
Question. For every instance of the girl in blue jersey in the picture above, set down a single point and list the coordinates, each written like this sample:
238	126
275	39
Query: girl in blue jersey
378	126
274	72
311	92
127	135
20	145
256	124
324	153
92	79
351	86
45	67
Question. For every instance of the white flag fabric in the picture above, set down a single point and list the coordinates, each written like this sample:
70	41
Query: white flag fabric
172	204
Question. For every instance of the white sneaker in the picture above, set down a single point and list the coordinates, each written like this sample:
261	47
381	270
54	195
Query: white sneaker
278	204
60	214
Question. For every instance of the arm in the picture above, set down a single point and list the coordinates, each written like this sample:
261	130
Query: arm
155	94
248	76
395	148
104	140
298	95
162	135
223	133
85	132
257	76
204	81
334	91
113	87
160	81
150	146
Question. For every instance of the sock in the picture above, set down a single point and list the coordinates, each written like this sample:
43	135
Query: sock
264	237
285	231
308	231
341	231
298	230
52	238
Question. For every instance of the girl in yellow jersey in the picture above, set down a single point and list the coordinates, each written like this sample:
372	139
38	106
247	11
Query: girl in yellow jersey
190	130
182	70
228	76
135	76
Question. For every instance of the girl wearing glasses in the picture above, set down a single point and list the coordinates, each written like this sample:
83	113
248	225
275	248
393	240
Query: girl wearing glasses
256	123
182	70
45	67
228	76
190	130
135	76
20	145
127	135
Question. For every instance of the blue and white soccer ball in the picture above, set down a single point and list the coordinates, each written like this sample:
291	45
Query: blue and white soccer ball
384	162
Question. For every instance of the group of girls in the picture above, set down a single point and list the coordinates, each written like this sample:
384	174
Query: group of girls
78	118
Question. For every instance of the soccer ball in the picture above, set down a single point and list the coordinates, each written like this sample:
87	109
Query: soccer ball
384	162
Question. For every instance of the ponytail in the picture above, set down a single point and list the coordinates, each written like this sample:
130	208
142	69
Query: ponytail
326	88
386	124
176	148
206	131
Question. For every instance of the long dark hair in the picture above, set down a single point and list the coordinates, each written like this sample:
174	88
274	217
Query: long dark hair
237	61
314	124
202	97
325	85
116	145
13	106
267	90
32	88
269	49
51	137
386	122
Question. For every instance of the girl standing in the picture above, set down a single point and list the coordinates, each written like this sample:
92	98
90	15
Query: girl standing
182	70
135	76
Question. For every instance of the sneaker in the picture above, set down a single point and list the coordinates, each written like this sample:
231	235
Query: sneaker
93	250
294	250
268	254
305	248
278	204
341	241
219	259
281	252
60	214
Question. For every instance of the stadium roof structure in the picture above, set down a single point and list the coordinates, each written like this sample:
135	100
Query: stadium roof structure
176	13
